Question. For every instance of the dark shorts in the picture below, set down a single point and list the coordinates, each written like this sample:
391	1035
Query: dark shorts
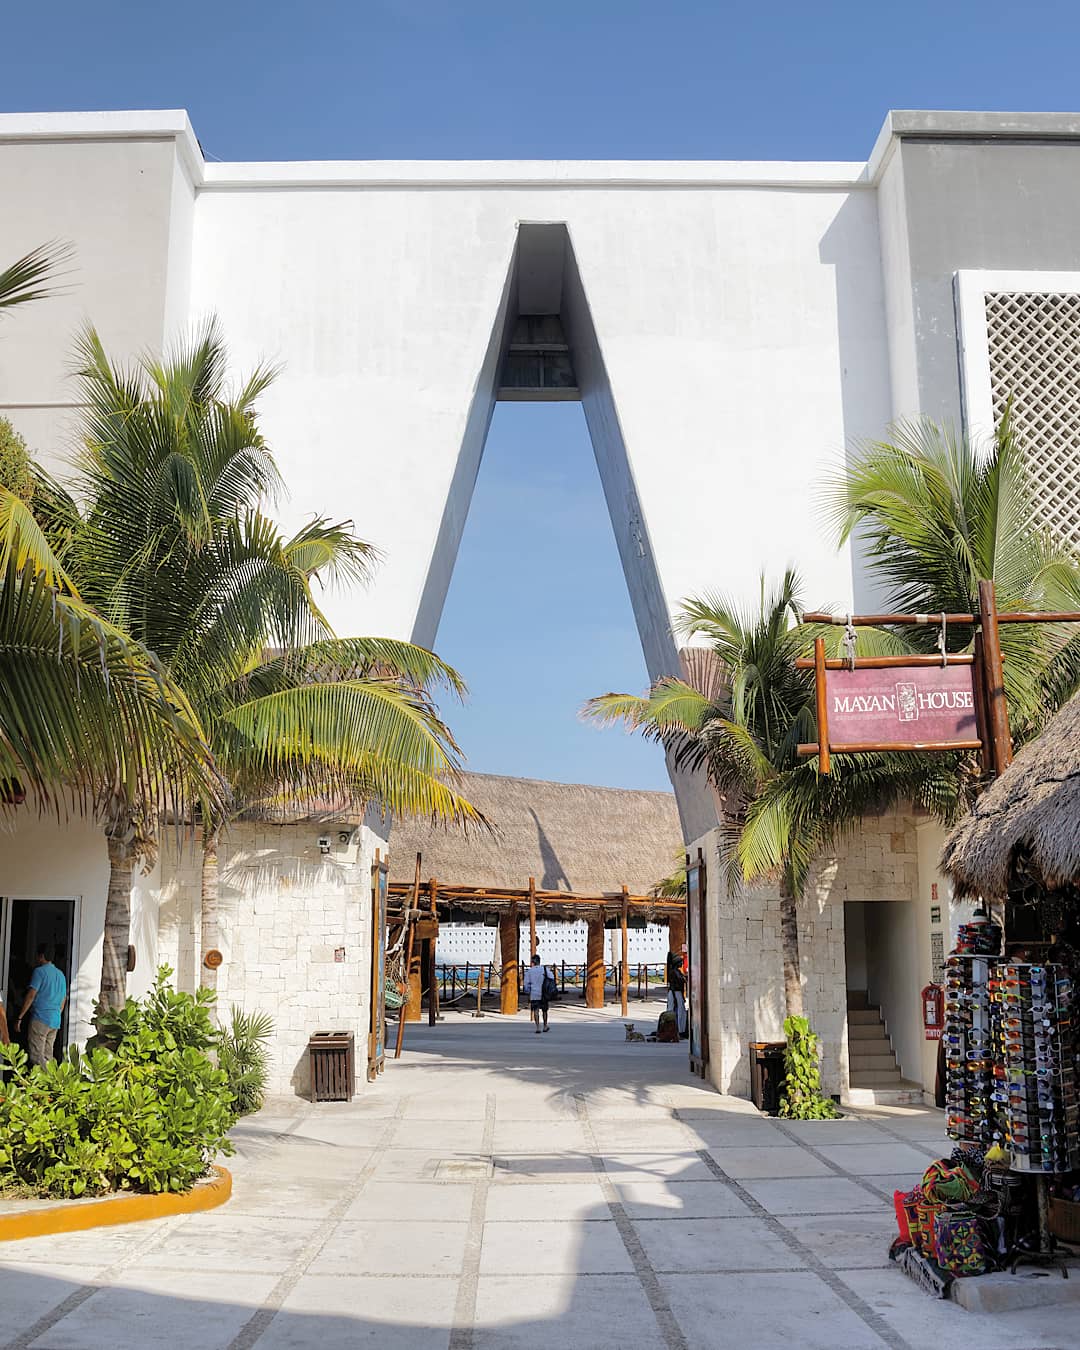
538	1005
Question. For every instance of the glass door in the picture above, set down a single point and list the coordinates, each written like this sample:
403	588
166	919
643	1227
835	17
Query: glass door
26	925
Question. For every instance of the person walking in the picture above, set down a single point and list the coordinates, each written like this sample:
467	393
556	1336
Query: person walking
536	986
46	998
676	999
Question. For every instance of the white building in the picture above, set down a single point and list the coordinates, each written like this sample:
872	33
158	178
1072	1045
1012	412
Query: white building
729	328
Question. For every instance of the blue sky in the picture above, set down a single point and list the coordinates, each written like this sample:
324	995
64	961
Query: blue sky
536	625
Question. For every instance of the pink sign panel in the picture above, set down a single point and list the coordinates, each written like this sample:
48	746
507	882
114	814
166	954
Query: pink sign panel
915	705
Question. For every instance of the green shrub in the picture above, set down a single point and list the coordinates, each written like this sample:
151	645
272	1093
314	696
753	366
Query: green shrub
803	1098
161	1022
148	1114
16	470
241	1054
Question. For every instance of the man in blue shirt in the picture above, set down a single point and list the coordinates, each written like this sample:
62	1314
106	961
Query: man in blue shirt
47	995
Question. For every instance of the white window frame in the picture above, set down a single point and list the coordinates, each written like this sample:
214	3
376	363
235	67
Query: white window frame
970	288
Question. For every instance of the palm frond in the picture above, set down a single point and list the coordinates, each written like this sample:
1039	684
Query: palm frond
31	277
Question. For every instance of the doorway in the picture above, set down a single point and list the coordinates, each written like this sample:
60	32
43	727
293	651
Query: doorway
24	926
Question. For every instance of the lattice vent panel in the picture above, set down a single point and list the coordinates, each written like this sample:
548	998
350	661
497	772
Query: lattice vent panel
1034	349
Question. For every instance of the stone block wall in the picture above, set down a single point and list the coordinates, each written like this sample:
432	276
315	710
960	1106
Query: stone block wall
285	911
879	861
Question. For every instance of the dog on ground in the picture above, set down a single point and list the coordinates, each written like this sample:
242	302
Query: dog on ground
631	1034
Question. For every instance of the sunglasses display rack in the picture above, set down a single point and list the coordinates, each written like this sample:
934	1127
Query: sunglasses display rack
1035	1045
973	1115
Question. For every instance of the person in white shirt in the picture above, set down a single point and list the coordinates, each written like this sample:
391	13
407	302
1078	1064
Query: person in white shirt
533	981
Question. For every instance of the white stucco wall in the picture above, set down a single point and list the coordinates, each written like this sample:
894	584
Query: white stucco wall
742	333
284	908
876	863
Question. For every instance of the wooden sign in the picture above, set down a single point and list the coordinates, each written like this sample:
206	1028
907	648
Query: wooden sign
912	708
212	959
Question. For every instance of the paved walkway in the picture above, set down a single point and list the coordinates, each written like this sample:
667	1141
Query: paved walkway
499	1189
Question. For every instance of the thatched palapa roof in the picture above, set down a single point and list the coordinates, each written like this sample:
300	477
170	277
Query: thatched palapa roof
1034	807
570	837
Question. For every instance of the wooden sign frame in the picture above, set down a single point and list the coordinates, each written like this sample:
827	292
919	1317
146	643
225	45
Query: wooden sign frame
994	741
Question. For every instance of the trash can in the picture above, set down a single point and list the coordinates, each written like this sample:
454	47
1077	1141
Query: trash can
767	1075
331	1061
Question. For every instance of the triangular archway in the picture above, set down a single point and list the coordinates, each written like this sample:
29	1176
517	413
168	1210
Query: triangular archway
543	347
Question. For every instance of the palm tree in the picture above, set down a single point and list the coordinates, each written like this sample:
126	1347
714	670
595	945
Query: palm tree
741	719
174	542
87	714
935	514
84	708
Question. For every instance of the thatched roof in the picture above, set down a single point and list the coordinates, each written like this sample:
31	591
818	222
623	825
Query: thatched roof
1034	808
589	840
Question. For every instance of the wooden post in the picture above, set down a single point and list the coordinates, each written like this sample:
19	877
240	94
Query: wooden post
625	981
982	722
822	705
433	984
532	917
595	965
402	1018
996	708
508	976
413	964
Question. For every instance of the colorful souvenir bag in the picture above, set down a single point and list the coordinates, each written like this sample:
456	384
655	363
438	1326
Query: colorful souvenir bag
959	1245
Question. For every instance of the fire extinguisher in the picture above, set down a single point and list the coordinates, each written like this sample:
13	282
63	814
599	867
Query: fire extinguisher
933	1015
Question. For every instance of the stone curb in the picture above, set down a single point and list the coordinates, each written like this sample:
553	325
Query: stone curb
116	1209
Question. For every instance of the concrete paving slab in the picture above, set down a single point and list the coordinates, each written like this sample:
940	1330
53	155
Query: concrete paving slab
680	1199
470	1105
27	1293
526	1248
548	1136
547	1203
896	1181
412	1202
864	1159
699	1245
225	1240
318	1158
595	1312
846	1241
443	1137
737	1134
376	1248
409	1164
789	1161
313	1197
350	1132
549	1167
96	1248
769	1312
813	1195
653	1136
849	1130
535	1107
646	1166
173	1310
924	1321
336	1312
